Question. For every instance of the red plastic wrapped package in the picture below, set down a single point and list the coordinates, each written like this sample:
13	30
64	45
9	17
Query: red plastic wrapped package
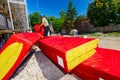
103	65
14	52
39	28
68	52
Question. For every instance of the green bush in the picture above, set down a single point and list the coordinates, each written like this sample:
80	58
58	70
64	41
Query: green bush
97	34
114	34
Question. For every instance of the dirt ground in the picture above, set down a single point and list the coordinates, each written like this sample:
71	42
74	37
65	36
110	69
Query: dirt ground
39	67
110	42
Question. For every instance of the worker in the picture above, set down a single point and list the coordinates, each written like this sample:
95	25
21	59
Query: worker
46	25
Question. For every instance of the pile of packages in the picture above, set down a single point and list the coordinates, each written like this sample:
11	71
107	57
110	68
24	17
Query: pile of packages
82	57
77	55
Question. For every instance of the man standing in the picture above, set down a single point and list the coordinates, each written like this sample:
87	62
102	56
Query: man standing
51	28
46	25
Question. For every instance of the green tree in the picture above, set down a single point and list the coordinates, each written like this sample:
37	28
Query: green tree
51	18
103	12
58	25
71	15
34	19
91	12
62	15
56	22
80	17
118	13
97	12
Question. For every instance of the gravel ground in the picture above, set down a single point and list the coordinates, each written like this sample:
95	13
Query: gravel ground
110	42
39	67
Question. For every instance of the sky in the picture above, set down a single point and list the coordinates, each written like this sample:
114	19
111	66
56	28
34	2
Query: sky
53	7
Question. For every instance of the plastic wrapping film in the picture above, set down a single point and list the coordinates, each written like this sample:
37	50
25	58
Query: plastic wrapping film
68	52
39	28
103	65
14	52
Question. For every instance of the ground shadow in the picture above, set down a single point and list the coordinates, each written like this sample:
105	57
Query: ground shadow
49	69
23	64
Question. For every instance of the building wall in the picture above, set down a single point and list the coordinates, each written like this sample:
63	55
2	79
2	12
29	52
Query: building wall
111	28
3	14
18	14
82	25
3	24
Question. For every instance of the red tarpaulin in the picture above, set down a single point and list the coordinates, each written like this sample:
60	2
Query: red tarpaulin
68	52
103	65
14	52
39	28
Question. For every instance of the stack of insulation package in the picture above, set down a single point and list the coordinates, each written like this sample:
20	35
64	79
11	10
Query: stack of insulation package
15	51
103	65
68	52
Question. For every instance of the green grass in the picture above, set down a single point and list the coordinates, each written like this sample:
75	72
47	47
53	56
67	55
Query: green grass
114	34
111	34
95	34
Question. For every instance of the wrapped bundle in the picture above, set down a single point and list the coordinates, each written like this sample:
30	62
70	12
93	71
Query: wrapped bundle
104	65
68	52
14	52
39	28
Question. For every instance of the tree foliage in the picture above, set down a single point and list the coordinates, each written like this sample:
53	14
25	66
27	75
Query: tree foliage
56	22
80	17
71	15
104	12
62	15
34	18
66	17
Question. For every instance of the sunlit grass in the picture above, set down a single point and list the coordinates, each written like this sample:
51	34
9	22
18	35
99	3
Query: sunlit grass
97	34
111	34
114	34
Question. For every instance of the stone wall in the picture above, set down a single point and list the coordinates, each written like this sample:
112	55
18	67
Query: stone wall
111	28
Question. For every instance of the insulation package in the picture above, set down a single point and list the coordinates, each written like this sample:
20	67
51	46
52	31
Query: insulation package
103	65
68	52
15	51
